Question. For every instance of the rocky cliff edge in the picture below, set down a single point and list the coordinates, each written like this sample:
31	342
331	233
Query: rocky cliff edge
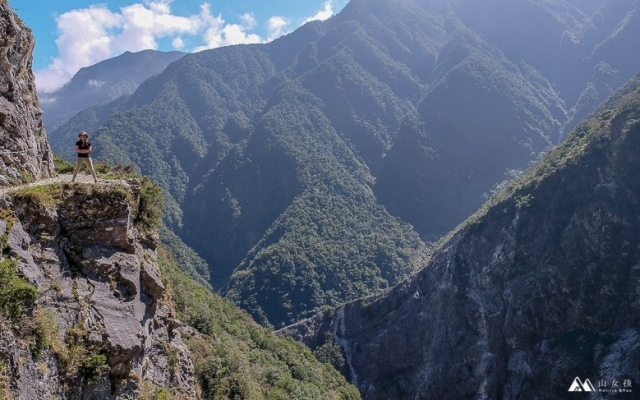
24	151
99	325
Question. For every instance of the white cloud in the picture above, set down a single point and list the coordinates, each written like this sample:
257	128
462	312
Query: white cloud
235	34
142	25
89	35
276	27
95	83
322	15
218	33
248	21
177	43
83	39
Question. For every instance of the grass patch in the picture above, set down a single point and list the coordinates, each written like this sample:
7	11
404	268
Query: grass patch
112	193
78	358
148	391
75	356
5	381
43	196
25	177
108	171
47	333
16	293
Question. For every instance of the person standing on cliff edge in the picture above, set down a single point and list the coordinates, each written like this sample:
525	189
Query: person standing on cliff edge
83	148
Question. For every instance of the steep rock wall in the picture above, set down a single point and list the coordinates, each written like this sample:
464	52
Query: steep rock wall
100	327
24	151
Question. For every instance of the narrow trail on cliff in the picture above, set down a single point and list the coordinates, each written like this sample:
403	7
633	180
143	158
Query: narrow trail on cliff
81	178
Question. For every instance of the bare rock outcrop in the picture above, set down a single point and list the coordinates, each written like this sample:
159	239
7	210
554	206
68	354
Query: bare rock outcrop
24	151
108	331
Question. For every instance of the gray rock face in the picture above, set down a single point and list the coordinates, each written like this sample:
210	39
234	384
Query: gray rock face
24	150
101	295
533	291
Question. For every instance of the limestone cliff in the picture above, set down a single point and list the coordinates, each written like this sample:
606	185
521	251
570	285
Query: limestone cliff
536	289
100	326
24	150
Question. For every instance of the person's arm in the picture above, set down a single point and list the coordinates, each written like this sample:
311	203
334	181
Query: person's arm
85	151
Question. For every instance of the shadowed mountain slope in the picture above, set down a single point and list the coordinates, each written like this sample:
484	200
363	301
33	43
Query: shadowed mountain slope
538	287
310	170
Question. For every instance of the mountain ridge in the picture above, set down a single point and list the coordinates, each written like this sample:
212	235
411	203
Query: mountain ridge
505	307
402	92
97	85
89	297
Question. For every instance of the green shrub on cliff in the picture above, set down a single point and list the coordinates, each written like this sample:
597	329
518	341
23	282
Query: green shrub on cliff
62	166
7	215
15	292
236	358
151	205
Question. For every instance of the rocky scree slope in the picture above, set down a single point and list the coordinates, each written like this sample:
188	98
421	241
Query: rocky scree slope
24	150
538	287
99	326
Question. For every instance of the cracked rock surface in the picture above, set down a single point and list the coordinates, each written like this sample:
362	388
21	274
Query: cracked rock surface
24	150
99	286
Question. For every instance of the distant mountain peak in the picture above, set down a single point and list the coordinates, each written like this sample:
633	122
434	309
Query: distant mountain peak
102	83
325	163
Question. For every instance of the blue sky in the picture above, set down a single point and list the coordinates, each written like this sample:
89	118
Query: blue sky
71	34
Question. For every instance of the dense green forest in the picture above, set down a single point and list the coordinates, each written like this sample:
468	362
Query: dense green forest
538	284
319	167
236	358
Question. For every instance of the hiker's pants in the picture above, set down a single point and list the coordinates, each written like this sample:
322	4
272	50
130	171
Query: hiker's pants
86	161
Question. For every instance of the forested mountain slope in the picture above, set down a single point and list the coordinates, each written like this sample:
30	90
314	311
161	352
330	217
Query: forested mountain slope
310	170
97	85
538	287
89	299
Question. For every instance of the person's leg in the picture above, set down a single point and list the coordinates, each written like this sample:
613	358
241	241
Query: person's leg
93	171
75	170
